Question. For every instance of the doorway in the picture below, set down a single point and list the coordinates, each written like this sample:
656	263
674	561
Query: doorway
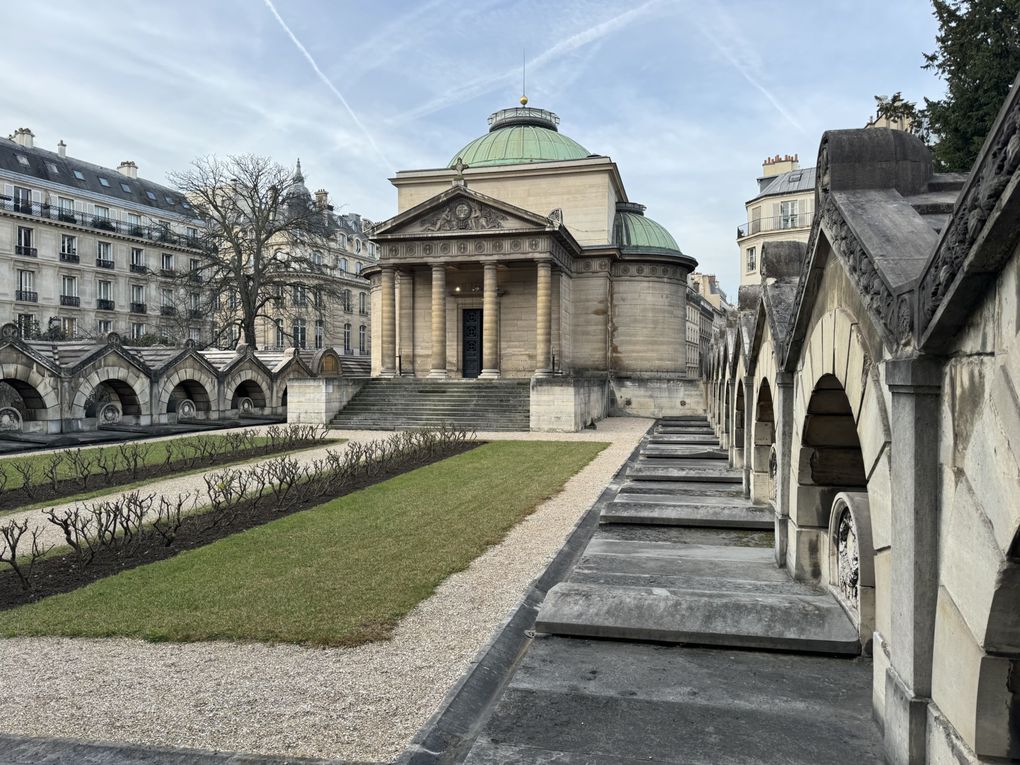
471	334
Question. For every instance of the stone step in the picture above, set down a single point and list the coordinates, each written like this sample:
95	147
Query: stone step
680	488
683	451
807	623
687	514
683	470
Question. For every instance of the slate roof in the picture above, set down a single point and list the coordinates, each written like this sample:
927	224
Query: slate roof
790	182
49	166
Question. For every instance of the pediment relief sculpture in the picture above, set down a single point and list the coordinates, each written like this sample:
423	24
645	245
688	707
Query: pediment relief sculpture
464	215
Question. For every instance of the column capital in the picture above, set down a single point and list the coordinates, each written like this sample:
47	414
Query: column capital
920	375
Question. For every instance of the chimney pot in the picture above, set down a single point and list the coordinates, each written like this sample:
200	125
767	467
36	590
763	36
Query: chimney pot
322	199
62	149
23	137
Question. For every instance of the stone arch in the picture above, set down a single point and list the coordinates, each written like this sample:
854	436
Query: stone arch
763	442
181	384
128	388
248	381
248	390
37	396
737	440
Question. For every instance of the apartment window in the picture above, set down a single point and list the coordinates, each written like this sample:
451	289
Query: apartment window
751	260
26	324
362	303
26	238
104	326
102	212
281	340
26	280
137	260
361	339
347	300
137	293
104	290
233	298
299	333
195	334
104	255
167	261
343	265
216	301
166	297
357	245
196	301
320	332
194	264
69	286
359	269
68	244
134	220
22	199
66	208
69	326
342	239
192	232
317	296
300	295
788	214
137	330
317	258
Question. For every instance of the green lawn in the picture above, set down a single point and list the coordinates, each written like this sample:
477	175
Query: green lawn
342	573
156	455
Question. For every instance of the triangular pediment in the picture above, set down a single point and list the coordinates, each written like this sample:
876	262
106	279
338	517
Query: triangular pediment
459	210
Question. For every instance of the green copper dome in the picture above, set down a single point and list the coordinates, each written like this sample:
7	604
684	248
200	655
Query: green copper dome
634	233
520	135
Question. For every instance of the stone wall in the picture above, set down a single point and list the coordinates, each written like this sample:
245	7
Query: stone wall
316	400
649	325
651	397
568	404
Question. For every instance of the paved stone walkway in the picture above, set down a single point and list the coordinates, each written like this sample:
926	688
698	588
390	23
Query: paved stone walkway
680	560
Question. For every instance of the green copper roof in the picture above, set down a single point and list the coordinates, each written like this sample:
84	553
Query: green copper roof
520	135
633	232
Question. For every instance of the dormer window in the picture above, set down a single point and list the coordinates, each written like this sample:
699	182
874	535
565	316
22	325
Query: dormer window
78	175
126	187
150	195
103	182
23	159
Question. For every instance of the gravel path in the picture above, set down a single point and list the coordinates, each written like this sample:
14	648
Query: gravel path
361	703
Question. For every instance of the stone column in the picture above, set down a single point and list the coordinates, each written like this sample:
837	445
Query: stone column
543	319
405	307
915	385
782	412
388	367
490	324
748	445
438	370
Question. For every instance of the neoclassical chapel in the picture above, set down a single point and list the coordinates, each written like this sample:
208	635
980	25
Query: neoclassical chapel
525	258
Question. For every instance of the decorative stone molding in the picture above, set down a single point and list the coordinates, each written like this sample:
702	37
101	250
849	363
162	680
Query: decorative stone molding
851	561
646	271
9	332
109	414
773	474
186	409
998	164
245	405
895	312
10	419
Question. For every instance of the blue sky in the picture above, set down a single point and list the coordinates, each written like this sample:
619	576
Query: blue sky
687	97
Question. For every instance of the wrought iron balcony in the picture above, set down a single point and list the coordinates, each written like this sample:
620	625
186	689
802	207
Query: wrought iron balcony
169	273
69	257
139	268
104	304
103	223
194	313
28	252
138	308
26	296
71	300
777	223
104	263
195	276
167	310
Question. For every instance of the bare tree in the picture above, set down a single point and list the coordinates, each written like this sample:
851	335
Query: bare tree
261	233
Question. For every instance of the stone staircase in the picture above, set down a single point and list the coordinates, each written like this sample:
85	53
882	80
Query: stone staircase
682	557
484	405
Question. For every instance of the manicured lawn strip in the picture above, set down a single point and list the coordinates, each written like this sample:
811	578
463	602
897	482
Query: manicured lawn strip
155	457
342	573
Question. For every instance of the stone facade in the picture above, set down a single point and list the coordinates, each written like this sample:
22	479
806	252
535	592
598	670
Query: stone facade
868	389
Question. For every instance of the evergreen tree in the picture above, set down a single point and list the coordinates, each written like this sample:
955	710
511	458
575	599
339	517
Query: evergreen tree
978	54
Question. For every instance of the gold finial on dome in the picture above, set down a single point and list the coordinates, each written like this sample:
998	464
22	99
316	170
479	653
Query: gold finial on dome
524	100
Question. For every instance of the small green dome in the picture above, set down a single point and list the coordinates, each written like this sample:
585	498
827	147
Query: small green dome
520	135
634	233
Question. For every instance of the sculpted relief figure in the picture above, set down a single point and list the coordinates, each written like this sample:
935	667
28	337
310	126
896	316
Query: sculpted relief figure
463	215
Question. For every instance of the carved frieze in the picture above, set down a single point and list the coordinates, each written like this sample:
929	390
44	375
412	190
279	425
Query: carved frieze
464	215
997	168
848	561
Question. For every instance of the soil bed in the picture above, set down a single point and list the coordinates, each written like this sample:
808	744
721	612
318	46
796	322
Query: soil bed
64	573
69	488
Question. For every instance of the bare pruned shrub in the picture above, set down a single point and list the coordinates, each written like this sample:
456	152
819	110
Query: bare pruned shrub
82	465
170	516
12	552
26	472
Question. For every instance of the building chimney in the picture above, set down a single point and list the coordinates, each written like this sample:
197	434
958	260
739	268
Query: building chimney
322	199
773	166
24	137
62	149
128	168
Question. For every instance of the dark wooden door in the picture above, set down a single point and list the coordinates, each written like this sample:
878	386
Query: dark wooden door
472	342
